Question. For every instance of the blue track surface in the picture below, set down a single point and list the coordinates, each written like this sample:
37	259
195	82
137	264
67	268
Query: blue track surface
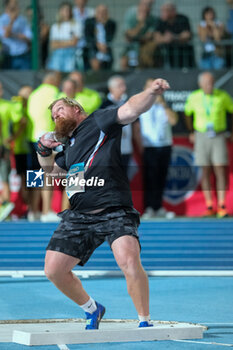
207	301
166	245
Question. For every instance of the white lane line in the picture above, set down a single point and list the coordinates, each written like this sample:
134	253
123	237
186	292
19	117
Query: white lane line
203	342
63	347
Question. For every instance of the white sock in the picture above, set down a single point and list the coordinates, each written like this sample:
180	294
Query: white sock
144	318
89	306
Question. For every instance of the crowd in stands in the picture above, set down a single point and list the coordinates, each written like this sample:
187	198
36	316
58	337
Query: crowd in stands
23	120
26	117
82	37
79	40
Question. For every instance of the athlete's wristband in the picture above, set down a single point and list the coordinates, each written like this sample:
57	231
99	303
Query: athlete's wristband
43	150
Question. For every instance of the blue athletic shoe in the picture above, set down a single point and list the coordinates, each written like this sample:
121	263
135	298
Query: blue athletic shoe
145	324
94	319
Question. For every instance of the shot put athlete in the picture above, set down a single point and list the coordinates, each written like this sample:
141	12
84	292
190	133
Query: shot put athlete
103	211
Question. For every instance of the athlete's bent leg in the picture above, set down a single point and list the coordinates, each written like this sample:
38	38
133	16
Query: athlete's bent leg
58	269
126	251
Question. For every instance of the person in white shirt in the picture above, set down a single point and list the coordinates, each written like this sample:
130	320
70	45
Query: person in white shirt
64	36
156	146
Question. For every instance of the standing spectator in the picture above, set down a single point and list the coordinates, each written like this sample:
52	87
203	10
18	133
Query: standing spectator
210	31
156	139
5	165
173	35
43	33
64	35
15	34
139	28
116	97
19	139
88	98
99	33
68	88
209	106
41	121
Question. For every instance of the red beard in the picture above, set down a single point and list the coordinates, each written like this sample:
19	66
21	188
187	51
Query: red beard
64	127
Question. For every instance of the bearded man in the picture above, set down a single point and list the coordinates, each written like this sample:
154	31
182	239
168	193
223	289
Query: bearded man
97	213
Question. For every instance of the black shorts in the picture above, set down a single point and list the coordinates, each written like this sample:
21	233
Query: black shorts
79	234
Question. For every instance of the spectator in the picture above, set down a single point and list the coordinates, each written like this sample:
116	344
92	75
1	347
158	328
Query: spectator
156	144
69	88
139	28
99	32
209	106
229	36
15	34
5	165
131	12
64	36
88	98
173	35
230	19
116	97
81	12
39	116
211	31
43	33
19	139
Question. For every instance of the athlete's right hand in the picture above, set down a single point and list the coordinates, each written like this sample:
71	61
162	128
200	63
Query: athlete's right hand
49	140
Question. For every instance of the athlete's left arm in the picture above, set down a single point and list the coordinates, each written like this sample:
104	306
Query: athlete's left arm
141	102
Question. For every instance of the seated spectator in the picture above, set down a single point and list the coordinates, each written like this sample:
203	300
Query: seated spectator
229	36
64	35
230	19
43	33
210	32
15	34
88	98
80	13
99	32
173	35
139	28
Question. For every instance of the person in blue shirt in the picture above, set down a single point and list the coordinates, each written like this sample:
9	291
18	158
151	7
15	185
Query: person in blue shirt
15	35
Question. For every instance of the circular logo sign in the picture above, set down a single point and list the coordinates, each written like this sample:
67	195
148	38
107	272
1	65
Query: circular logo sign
183	176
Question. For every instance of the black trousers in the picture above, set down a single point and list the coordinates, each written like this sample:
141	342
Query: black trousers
156	163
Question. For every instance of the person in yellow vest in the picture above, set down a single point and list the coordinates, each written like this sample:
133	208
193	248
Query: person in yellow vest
209	107
39	115
88	98
5	166
20	144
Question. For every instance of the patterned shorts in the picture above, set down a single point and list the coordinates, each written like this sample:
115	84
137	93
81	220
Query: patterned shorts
79	234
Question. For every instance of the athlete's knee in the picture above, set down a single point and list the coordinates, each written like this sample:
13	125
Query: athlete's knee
51	270
129	264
